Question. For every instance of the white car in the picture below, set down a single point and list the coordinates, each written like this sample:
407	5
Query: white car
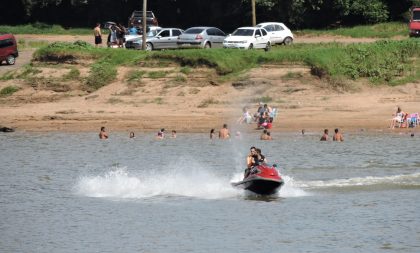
248	38
278	32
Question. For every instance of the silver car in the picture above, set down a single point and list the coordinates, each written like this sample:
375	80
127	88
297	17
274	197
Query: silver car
201	37
165	38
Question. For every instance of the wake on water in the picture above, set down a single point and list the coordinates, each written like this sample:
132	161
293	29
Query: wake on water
202	183
197	183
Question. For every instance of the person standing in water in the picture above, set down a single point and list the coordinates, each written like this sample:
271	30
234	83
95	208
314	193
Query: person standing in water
132	135
103	134
161	134
224	132
337	136
212	134
325	135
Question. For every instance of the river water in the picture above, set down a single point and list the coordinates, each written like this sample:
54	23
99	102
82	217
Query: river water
70	192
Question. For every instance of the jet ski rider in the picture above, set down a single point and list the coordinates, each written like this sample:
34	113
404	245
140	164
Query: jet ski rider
253	159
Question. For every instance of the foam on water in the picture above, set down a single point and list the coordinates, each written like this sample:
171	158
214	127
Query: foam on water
409	180
196	182
119	183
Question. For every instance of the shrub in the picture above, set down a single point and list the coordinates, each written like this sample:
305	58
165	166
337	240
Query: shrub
9	90
101	74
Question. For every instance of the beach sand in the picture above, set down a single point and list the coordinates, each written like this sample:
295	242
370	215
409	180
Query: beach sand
200	101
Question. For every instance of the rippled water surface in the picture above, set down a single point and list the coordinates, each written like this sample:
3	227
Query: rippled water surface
67	192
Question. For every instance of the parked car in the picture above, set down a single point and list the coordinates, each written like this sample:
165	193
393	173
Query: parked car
151	31
165	38
278	32
136	19
108	24
8	49
248	38
201	37
414	24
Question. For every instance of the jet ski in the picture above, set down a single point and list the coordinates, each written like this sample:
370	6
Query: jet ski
262	179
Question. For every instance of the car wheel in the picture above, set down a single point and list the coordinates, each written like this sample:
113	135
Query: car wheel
207	45
149	46
250	46
267	47
288	41
11	59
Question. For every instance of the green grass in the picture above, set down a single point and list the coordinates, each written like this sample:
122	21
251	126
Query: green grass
382	30
101	74
73	74
41	28
156	74
135	76
207	102
265	100
381	61
8	91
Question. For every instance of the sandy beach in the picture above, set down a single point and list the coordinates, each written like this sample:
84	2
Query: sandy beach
200	101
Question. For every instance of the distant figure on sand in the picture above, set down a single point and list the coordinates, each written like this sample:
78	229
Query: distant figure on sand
103	134
398	119
212	133
337	136
303	131
98	34
132	135
246	117
173	135
325	135
224	132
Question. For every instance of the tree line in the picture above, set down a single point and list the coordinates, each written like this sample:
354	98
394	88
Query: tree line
226	14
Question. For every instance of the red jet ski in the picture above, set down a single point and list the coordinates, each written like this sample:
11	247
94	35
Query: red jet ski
262	179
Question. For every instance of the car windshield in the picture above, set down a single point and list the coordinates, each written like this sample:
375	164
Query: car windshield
416	15
149	14
152	33
243	32
194	30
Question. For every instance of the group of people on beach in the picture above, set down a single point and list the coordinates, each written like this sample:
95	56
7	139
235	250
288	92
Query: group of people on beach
403	119
115	36
264	116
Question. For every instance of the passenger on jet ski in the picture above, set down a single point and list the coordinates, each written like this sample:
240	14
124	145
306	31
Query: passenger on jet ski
253	159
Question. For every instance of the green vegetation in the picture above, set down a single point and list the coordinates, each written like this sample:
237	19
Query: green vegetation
185	70
73	74
382	61
156	74
101	74
180	79
135	76
8	90
382	30
42	28
207	102
265	100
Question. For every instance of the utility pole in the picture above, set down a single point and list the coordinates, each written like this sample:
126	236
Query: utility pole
254	15
143	45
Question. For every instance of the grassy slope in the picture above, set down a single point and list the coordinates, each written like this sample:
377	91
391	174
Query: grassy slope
391	62
382	30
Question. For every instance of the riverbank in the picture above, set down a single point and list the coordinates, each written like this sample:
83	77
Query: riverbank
303	102
54	96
